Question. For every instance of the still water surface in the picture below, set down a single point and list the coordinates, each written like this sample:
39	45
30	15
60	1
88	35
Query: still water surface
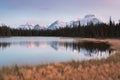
44	50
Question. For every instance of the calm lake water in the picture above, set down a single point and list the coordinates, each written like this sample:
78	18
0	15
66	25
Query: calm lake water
44	50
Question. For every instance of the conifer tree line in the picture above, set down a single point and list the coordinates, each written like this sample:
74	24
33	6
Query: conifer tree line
103	30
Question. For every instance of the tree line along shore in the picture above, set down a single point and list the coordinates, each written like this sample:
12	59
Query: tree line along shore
102	30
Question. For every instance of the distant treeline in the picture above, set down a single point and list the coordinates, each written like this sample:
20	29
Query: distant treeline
110	30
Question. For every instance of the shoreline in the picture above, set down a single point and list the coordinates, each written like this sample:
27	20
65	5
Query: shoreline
104	69
115	43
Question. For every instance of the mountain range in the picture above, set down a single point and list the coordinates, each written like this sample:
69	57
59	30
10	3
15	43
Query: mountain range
61	24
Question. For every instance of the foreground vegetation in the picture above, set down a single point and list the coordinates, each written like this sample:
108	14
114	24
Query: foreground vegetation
108	69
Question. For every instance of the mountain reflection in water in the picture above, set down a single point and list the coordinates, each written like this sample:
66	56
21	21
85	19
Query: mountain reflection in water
90	48
43	50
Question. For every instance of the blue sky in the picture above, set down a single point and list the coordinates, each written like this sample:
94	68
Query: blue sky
17	12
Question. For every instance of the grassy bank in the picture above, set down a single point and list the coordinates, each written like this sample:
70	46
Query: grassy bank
105	69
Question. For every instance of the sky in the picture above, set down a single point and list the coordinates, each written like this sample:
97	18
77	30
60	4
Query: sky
44	12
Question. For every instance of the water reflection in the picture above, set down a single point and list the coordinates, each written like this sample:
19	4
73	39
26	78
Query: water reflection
46	51
75	47
89	48
4	45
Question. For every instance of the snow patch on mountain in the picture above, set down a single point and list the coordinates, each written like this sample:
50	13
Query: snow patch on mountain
85	21
37	27
27	26
90	19
31	27
57	24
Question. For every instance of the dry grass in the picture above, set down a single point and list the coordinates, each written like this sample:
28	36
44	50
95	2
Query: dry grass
60	71
105	69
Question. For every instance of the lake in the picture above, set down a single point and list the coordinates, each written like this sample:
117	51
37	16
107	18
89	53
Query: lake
45	50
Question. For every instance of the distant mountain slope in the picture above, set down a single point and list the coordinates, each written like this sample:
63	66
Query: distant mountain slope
57	24
61	24
31	27
90	19
85	21
37	27
26	27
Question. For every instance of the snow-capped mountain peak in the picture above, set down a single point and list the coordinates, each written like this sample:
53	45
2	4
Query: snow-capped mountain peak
37	27
89	19
26	27
31	27
57	24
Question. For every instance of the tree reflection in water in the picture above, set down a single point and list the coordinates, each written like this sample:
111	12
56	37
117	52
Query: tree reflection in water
90	48
4	45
